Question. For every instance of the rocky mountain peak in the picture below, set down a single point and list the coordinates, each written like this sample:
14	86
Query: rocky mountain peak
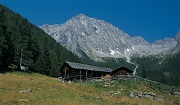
177	37
80	18
81	15
97	39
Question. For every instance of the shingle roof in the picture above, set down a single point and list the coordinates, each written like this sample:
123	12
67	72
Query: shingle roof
88	67
123	68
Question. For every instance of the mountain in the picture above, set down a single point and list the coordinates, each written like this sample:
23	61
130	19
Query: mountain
176	49
99	39
109	46
24	45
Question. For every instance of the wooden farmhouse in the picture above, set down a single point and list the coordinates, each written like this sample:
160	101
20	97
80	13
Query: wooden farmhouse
122	71
77	71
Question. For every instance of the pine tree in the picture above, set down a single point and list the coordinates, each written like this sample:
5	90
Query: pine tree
54	72
144	73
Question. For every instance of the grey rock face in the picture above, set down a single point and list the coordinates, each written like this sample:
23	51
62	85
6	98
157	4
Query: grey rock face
149	95
176	94
136	94
177	37
26	91
176	49
98	38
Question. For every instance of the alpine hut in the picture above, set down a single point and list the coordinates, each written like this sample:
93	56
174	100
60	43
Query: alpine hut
77	71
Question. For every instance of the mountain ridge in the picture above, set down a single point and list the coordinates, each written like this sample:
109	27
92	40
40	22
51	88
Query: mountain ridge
98	38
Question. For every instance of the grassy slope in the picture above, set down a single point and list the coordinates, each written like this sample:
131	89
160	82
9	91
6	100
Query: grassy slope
49	91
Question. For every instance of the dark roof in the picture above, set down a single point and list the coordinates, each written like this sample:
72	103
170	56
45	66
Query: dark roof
88	67
123	68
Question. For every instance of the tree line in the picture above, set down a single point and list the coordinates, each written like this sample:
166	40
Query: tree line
23	44
165	69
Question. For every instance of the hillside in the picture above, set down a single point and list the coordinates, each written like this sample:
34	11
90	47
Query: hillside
163	69
49	91
98	42
24	45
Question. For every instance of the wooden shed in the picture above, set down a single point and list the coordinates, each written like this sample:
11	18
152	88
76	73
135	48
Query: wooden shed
122	71
77	71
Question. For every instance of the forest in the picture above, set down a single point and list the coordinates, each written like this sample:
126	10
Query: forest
165	69
23	44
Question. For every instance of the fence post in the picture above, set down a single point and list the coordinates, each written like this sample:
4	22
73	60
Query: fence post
159	86
80	76
172	89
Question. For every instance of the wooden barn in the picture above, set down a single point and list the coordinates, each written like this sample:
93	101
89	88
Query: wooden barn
77	71
122	71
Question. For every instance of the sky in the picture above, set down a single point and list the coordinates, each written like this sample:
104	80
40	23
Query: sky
150	19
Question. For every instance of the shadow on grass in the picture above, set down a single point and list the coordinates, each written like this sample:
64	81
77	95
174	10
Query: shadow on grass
8	70
123	103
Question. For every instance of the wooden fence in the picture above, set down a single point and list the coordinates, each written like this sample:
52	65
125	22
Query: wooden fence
157	86
118	77
152	84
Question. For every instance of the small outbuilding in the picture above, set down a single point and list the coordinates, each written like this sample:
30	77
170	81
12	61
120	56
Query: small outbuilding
78	71
122	71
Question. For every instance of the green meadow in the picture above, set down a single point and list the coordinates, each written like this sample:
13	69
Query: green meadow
50	91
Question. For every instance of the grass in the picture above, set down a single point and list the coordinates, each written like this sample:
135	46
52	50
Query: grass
163	87
50	91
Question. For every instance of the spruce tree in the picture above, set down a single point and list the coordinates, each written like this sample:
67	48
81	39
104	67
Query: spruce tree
144	73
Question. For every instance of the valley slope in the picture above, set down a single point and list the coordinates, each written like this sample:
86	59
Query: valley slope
24	45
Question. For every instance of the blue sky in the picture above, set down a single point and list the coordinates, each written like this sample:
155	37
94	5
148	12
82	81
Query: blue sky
151	19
